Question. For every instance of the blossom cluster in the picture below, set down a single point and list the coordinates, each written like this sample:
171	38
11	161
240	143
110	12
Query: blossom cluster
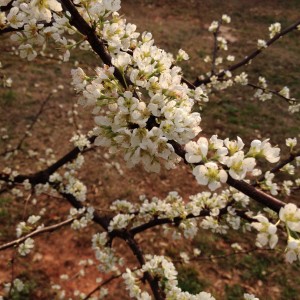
41	22
109	262
164	270
141	119
214	157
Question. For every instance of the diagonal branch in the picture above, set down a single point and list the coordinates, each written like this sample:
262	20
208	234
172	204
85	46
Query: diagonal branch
35	233
35	119
279	166
276	93
252	55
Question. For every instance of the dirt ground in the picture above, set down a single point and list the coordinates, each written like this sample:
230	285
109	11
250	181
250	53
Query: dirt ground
175	25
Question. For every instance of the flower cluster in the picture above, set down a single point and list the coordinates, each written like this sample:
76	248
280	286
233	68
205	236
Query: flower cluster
163	270
104	254
214	156
29	225
141	121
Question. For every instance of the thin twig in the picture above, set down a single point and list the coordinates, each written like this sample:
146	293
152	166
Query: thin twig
276	93
105	282
37	232
212	257
279	166
251	56
34	121
215	48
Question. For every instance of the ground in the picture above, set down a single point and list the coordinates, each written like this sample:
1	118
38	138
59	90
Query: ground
174	25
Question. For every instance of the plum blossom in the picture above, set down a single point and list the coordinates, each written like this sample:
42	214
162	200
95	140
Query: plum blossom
291	142
210	174
274	29
42	9
292	250
269	185
290	214
267	232
239	165
26	247
234	146
264	149
196	151
261	44
250	297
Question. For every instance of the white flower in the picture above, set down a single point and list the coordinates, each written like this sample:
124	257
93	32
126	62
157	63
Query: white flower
213	26
182	55
261	44
234	146
79	79
289	169
291	142
26	247
76	188
242	78
80	141
196	151
285	92
209	174
122	61
274	29
15	17
264	149
290	214
33	219
239	165
292	250
184	256
236	246
267	232
26	51
250	297
18	285
218	145
230	58
120	221
271	186
42	9
222	44
226	19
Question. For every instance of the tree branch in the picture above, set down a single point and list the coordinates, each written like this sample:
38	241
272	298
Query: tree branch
279	166
35	119
35	233
248	58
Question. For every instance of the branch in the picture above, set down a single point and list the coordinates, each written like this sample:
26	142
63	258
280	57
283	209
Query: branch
155	222
216	48
124	235
96	43
279	166
212	257
35	233
35	119
245	188
252	55
105	282
276	93
257	195
43	176
11	29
